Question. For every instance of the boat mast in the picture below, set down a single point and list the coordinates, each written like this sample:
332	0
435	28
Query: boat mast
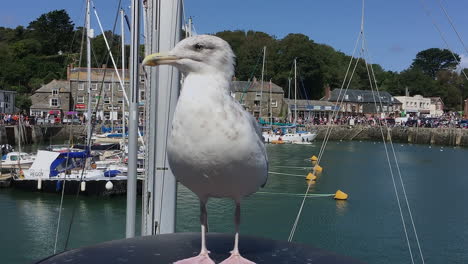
261	90
295	90
88	65
133	120
112	103
164	20
122	32
271	108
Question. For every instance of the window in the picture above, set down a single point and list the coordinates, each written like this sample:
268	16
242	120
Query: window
359	98
120	101
274	103
55	91
258	95
142	95
80	99
6	106
94	86
346	97
257	102
6	98
54	102
81	86
107	100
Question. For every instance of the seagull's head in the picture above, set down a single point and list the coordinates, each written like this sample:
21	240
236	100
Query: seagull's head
198	54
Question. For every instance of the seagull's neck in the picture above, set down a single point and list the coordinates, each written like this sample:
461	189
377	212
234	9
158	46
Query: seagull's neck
201	84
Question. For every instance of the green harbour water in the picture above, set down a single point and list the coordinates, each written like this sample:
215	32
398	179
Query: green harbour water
367	227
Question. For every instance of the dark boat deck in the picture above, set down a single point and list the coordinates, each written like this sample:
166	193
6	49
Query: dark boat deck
169	248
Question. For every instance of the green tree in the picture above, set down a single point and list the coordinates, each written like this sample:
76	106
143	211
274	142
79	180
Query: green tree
54	30
431	61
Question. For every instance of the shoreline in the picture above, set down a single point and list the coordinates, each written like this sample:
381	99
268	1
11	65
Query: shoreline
457	137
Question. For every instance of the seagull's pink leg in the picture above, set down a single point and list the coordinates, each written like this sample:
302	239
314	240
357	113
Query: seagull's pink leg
235	257
203	257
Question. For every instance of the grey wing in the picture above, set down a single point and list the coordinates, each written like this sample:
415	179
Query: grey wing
258	130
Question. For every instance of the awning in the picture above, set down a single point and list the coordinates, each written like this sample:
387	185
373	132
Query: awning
72	113
54	112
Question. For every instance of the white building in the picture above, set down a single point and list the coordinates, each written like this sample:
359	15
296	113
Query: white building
7	101
415	105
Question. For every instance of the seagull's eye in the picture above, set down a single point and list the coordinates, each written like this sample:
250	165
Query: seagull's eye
198	46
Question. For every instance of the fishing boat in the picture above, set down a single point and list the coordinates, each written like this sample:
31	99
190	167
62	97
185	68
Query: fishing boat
16	160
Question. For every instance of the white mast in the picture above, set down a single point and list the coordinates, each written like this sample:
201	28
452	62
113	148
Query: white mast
261	91
122	33
112	103
164	20
295	91
271	108
133	120
88	65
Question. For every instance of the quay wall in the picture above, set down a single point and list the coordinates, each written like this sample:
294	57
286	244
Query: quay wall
414	135
54	134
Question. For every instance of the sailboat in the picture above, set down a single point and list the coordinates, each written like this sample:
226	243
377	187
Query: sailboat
290	134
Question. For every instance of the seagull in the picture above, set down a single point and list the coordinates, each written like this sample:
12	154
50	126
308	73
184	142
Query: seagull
215	147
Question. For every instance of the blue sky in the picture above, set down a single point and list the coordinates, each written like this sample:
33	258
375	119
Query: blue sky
396	30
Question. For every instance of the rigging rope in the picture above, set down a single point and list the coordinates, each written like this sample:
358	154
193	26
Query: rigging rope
88	141
434	23
322	148
369	65
70	135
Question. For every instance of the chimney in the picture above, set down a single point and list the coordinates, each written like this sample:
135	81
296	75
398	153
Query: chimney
465	112
407	92
327	92
68	71
254	79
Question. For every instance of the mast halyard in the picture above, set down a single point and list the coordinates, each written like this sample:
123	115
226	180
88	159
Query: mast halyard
295	90
88	66
122	32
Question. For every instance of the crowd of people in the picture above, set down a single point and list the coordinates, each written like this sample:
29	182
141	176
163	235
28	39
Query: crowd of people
449	119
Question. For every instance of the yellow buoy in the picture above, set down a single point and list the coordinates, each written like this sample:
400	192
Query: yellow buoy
311	177
313	158
339	195
318	169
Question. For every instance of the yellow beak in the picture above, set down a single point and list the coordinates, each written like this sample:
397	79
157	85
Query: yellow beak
158	59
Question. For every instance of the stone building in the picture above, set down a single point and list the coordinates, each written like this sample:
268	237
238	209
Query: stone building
256	100
111	98
309	109
361	102
51	98
415	105
7	102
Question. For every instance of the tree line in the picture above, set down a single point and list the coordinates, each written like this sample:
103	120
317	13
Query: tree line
34	55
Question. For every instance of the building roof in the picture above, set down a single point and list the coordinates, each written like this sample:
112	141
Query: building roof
436	99
254	86
81	74
362	96
62	85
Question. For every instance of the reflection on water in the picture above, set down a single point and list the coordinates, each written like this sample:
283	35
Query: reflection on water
367	226
341	207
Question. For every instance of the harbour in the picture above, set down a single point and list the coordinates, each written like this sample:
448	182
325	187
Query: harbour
367	226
